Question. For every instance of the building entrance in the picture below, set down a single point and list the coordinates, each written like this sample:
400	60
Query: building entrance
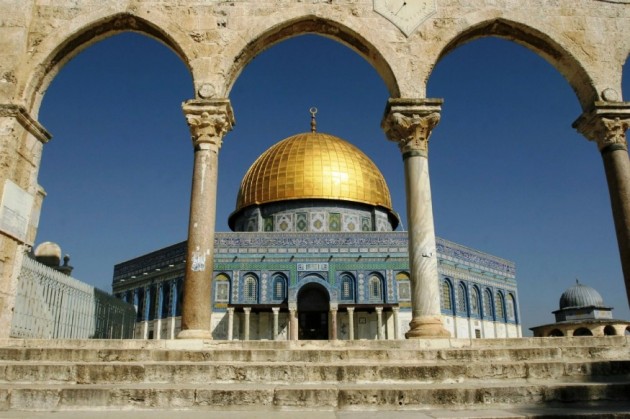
313	305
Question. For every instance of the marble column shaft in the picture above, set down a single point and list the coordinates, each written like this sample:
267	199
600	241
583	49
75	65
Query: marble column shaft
247	311
606	124
379	323
276	312
350	323
230	327
396	311
209	121
409	123
293	323
333	323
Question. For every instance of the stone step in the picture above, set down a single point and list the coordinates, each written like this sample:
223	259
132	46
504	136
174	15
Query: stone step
315	355
295	373
420	344
339	396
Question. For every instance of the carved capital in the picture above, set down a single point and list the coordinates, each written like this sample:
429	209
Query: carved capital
606	125
410	123
209	121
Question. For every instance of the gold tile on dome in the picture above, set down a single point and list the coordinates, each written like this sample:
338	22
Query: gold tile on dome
311	166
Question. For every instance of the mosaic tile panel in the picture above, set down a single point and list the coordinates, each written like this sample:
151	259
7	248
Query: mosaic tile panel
350	223
366	224
284	223
301	221
252	224
268	224
334	221
318	221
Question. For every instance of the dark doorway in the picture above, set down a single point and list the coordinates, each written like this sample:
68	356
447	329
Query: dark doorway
313	312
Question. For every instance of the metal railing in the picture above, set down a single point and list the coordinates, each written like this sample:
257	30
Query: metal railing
51	305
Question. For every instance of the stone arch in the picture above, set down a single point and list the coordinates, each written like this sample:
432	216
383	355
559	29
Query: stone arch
536	41
582	331
609	330
555	333
314	278
316	25
57	51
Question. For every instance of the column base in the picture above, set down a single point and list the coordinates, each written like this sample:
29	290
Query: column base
428	327
195	334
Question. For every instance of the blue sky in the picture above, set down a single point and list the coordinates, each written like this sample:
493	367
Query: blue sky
509	175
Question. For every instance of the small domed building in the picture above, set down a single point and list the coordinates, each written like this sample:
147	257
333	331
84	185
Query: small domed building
582	312
314	236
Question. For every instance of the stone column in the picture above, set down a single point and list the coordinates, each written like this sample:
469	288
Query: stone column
396	311
409	122
230	327
276	312
22	139
209	121
606	123
350	323
247	311
333	322
293	322
379	323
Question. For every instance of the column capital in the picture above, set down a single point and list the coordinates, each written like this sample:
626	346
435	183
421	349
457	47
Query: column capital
350	309
247	310
230	309
395	309
378	309
606	124
275	310
209	120
409	122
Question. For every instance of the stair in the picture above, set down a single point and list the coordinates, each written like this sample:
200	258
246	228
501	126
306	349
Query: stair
63	375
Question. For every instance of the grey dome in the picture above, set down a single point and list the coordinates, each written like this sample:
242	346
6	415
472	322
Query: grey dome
581	295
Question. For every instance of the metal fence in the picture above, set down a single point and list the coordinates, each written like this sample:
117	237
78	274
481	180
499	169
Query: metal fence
51	305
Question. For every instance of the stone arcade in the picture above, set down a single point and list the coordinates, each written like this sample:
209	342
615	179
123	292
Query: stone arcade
315	256
585	40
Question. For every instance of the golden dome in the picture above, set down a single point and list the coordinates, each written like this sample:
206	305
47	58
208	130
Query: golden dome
313	165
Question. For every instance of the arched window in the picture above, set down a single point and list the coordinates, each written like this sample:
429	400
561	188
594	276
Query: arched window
152	303
180	296
487	304
582	331
475	304
140	304
511	307
347	287
222	288
375	288
609	331
166	300
447	300
250	290
279	287
498	306
556	333
462	307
